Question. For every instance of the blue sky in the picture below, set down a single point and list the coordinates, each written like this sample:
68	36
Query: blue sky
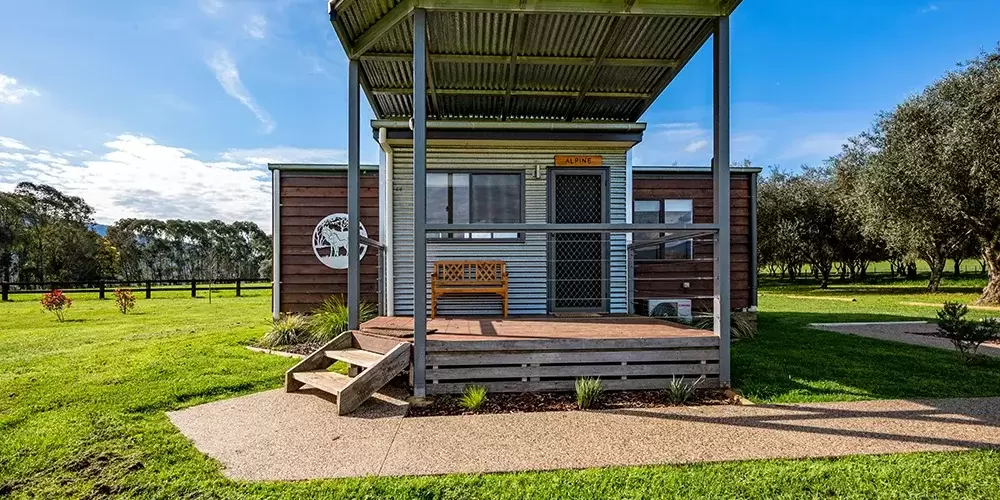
171	109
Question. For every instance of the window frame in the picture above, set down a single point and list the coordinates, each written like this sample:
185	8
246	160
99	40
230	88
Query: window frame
661	219
470	173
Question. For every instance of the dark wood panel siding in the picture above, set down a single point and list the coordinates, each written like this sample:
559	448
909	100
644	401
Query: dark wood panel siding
666	278
306	198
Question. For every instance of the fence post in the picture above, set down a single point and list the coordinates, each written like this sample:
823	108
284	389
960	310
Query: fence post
149	289
237	287
5	289
100	294
194	289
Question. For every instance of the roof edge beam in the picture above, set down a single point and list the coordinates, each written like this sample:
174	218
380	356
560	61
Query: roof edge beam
693	8
388	22
515	93
548	125
530	60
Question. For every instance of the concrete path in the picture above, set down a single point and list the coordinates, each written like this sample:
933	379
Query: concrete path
279	436
917	333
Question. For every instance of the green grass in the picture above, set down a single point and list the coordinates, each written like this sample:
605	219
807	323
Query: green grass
969	267
82	408
790	362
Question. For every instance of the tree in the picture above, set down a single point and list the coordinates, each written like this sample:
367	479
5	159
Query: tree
14	211
798	221
778	225
179	249
819	225
970	141
934	180
903	196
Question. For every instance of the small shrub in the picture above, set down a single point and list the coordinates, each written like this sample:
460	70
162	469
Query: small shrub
966	335
744	327
680	392
124	299
588	392
289	329
741	326
473	397
57	303
330	319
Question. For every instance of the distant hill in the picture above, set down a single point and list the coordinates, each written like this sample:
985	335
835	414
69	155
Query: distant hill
100	229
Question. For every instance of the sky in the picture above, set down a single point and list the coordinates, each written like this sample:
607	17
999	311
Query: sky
172	109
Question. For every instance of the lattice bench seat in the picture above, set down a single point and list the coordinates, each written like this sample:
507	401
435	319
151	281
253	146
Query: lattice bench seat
468	277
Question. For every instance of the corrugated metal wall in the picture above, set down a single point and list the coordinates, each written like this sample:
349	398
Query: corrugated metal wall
618	199
526	262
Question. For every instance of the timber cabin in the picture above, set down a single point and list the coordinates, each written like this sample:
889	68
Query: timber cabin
506	194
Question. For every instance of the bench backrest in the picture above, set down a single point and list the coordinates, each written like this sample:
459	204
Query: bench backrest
468	272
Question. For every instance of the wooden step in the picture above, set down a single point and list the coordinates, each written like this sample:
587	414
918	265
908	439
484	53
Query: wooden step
356	357
380	368
323	380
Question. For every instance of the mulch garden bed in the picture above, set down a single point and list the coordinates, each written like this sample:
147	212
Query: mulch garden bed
303	349
499	403
300	349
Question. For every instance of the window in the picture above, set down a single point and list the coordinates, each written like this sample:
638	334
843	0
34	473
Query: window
663	212
474	198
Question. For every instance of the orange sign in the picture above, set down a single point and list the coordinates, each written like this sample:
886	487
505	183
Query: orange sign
579	161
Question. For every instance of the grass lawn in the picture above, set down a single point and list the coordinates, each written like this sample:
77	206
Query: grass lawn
82	406
790	362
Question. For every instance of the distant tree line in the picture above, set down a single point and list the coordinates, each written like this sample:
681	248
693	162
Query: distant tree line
47	236
923	183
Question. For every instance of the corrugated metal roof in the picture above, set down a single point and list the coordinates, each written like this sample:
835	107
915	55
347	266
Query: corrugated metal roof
504	59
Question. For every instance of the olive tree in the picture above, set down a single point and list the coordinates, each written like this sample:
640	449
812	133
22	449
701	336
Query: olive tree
904	196
933	181
970	100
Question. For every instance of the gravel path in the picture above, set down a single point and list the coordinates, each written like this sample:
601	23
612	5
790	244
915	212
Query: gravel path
275	435
907	333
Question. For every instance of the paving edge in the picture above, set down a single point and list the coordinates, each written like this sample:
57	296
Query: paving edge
871	323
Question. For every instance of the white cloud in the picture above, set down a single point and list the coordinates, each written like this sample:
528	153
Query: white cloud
263	156
683	130
11	92
930	8
226	72
8	143
675	143
210	7
136	177
11	156
696	146
256	26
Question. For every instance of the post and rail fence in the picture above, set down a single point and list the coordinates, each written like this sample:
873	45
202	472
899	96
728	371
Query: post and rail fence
102	287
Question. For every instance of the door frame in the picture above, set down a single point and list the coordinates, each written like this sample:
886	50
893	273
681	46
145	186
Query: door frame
550	205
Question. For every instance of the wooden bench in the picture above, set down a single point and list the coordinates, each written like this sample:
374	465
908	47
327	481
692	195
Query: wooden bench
468	277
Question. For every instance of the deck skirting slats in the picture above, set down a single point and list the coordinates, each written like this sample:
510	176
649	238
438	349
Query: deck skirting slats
587	370
558	357
533	365
637	384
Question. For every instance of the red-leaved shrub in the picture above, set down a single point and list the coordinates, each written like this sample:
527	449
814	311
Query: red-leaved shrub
56	302
124	299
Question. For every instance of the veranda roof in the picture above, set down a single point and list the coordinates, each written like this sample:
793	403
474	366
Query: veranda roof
573	60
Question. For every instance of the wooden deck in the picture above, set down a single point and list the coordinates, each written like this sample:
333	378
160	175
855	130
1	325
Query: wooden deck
534	327
546	353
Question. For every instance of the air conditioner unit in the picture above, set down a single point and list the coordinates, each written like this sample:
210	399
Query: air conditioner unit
675	309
